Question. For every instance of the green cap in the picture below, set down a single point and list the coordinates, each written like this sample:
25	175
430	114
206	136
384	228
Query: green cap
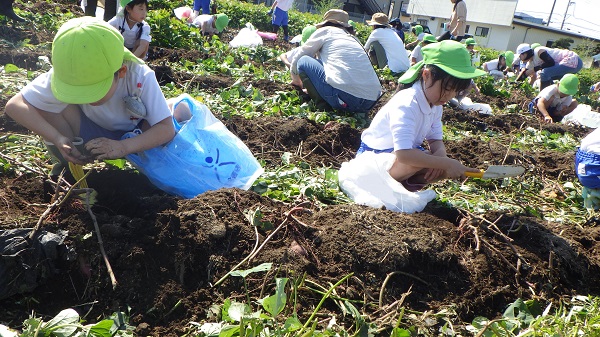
450	56
509	56
307	32
221	21
86	53
535	45
418	29
124	3
429	38
569	84
352	23
470	42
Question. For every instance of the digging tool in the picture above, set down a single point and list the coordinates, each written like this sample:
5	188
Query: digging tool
497	172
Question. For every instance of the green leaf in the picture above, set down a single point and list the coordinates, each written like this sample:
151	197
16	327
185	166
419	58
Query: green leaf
10	68
229	331
292	324
237	311
398	332
243	273
274	304
102	328
64	324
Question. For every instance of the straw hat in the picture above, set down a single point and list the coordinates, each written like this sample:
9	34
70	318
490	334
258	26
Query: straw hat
337	16
379	19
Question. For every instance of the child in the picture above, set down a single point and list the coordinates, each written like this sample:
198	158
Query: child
499	67
385	46
556	101
415	114
279	12
551	62
83	96
416	55
418	32
287	57
211	24
587	168
130	22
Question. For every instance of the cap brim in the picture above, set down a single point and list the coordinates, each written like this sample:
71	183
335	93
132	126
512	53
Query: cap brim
465	73
76	94
321	24
462	73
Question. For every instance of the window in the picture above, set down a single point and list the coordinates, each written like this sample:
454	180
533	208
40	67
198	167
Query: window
482	31
467	28
443	25
422	22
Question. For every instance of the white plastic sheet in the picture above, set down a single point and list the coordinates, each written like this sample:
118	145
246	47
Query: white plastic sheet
247	37
583	115
365	179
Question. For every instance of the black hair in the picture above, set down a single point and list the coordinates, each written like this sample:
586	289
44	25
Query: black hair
379	26
529	54
132	4
456	3
449	82
350	29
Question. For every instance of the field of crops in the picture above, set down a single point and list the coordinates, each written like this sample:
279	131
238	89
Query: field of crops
293	255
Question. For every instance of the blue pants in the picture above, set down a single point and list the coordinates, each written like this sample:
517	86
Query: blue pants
337	99
557	71
587	167
280	17
204	4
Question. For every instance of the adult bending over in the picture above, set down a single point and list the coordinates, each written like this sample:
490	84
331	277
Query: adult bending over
342	76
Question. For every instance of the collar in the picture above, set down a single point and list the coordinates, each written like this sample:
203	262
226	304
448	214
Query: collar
424	106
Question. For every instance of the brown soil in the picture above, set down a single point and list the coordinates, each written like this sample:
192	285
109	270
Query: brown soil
166	250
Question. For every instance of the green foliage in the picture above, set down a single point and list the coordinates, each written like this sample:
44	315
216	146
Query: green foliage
489	87
170	32
488	54
587	48
322	6
68	324
579	317
290	182
563	42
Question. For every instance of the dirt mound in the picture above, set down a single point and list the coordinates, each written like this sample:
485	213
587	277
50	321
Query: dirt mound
167	253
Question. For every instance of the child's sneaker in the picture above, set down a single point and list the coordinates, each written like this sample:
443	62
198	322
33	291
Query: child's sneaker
530	107
286	38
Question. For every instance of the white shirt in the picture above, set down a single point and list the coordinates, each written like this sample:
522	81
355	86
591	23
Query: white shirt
130	34
552	97
404	122
285	5
417	54
205	23
347	66
491	65
591	142
393	46
112	114
560	56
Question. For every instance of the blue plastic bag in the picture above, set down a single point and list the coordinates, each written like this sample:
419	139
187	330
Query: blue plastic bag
204	155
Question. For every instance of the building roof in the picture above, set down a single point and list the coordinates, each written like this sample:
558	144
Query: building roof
497	12
551	29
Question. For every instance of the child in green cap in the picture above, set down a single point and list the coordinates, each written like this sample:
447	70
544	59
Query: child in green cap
132	25
499	67
416	55
414	115
211	24
85	93
556	101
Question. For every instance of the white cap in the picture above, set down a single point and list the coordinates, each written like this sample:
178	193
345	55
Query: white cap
523	47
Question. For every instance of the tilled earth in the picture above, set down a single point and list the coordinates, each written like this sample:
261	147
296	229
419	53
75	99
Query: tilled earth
165	250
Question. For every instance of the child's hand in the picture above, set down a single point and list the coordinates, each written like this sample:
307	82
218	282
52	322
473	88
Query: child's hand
456	170
70	152
433	174
104	148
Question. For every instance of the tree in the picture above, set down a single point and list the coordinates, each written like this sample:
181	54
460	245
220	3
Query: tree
563	42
